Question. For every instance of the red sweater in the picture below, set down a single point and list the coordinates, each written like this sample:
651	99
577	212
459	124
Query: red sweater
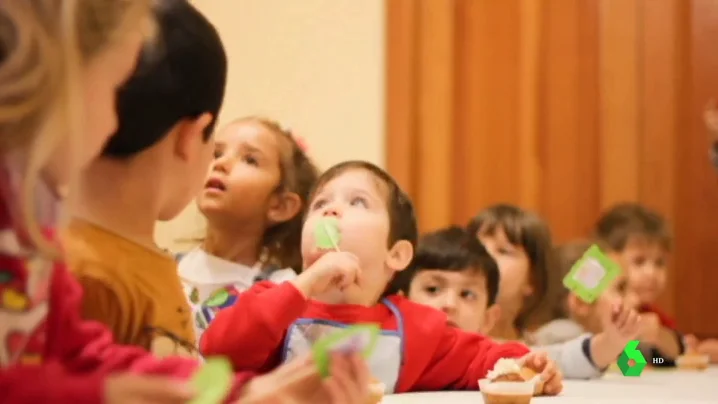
666	320
48	354
437	357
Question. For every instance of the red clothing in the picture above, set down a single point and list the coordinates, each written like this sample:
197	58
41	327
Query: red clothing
436	357
48	354
666	320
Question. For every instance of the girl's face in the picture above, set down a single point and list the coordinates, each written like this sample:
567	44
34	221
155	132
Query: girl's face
101	78
244	175
514	268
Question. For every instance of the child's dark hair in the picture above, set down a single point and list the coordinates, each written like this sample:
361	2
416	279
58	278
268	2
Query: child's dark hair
565	256
298	175
617	225
528	230
402	220
456	250
182	77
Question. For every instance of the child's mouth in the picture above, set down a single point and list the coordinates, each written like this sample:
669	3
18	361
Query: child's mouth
215	183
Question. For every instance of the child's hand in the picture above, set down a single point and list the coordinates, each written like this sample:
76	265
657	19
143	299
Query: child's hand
624	324
649	328
709	347
550	375
299	382
335	269
691	343
132	388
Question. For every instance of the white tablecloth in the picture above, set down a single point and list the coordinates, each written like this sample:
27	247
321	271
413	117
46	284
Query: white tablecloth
652	387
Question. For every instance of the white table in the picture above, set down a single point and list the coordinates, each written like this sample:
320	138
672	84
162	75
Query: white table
652	387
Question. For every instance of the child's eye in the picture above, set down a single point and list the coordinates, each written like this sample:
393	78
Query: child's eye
359	201
217	153
318	204
505	251
639	261
660	263
251	160
468	295
432	290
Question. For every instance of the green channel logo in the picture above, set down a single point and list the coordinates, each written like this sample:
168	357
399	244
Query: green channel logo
631	353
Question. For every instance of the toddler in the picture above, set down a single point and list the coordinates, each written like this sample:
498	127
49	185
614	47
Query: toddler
604	327
156	162
640	241
451	271
520	242
254	198
417	350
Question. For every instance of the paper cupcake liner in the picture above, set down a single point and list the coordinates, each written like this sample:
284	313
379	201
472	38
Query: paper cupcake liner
507	388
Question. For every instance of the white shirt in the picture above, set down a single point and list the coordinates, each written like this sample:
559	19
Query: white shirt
212	283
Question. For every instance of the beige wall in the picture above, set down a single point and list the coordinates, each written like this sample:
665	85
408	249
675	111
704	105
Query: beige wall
315	65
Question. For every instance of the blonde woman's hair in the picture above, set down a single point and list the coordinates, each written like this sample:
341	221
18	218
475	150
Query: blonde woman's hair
43	46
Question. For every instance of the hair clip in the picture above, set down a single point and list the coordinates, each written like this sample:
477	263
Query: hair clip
301	142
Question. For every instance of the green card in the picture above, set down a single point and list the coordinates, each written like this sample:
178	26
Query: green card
327	234
357	338
213	381
591	275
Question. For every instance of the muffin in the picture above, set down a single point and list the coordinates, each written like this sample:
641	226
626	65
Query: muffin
693	361
506	384
376	391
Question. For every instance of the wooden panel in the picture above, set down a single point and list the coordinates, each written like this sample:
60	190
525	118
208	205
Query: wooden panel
619	64
401	23
488	95
436	112
567	108
529	134
569	133
697	184
661	73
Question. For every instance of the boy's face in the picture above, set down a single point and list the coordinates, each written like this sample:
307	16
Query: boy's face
462	295
358	200
644	262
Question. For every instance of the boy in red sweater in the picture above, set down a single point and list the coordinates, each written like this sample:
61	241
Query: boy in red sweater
417	350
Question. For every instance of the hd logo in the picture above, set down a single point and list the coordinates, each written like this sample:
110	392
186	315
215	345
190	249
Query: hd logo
632	362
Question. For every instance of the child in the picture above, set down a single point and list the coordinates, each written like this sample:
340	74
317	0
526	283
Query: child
454	272
640	241
520	242
254	199
155	162
604	327
48	353
417	350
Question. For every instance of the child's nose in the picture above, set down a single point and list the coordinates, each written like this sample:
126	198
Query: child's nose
331	211
449	302
221	165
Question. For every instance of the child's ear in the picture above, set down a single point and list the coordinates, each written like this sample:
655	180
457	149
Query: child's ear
283	207
578	307
190	132
491	317
400	255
